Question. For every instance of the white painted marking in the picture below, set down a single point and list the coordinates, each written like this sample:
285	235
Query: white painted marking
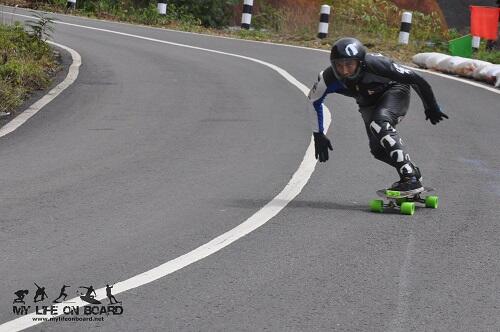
38	105
399	322
271	209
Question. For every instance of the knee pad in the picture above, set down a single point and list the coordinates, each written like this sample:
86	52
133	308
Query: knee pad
385	133
390	147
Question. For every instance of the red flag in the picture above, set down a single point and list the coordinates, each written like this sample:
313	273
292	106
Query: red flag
484	22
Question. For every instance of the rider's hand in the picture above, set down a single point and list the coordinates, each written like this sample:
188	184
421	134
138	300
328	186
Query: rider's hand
321	146
435	115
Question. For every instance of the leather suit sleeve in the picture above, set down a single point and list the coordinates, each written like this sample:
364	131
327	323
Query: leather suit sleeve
325	85
317	95
385	67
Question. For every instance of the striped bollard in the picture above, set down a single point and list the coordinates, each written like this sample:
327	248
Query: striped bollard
246	17
404	31
323	21
476	41
162	7
71	4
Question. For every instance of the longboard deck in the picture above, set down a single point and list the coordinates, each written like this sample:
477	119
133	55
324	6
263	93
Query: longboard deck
386	193
90	300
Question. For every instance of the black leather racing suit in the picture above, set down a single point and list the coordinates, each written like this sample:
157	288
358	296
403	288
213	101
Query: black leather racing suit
382	91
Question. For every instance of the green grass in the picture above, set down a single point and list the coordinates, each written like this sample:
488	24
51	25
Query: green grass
26	64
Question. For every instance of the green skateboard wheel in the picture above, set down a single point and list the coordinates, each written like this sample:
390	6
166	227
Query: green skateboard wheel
408	208
377	205
431	202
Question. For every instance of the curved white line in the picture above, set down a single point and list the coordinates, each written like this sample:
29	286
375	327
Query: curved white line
271	209
38	105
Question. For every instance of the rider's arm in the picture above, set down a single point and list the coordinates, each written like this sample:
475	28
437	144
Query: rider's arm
385	67
325	84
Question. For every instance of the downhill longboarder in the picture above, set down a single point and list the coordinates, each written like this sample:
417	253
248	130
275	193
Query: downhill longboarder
381	88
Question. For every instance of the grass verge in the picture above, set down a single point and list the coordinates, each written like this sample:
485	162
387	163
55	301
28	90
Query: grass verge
26	64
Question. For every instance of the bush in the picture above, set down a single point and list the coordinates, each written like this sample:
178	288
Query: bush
25	65
211	13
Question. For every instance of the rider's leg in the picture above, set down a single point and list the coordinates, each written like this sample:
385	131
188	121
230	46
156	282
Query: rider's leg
380	121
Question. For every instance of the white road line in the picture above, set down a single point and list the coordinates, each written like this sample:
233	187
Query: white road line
271	209
38	105
399	322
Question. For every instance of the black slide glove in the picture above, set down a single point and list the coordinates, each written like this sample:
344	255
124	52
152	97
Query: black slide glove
321	146
435	115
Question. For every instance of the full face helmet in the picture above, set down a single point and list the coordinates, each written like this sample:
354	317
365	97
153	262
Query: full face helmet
347	58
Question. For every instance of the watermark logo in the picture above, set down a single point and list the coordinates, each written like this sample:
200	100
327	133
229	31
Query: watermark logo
93	310
20	296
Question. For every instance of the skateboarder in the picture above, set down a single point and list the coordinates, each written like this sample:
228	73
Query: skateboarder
89	292
62	294
39	292
381	88
20	296
110	296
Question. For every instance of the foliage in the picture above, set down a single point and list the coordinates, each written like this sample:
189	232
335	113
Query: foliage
25	65
268	17
211	13
42	26
490	56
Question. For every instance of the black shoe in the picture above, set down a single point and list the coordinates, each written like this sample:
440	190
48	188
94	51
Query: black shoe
408	185
418	175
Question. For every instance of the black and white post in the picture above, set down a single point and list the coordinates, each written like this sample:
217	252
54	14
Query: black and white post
476	41
404	31
324	17
162	7
71	4
246	17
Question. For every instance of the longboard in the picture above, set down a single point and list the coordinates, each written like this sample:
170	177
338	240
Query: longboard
404	201
90	300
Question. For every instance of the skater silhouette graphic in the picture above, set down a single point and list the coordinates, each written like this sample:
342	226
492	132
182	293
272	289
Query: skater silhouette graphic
88	297
110	296
39	292
20	296
62	294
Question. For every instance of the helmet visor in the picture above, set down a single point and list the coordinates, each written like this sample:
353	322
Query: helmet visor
346	68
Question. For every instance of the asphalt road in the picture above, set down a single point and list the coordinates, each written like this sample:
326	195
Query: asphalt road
157	149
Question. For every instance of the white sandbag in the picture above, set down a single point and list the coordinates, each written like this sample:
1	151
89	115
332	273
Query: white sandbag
466	68
489	73
434	59
493	75
449	65
479	66
420	59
